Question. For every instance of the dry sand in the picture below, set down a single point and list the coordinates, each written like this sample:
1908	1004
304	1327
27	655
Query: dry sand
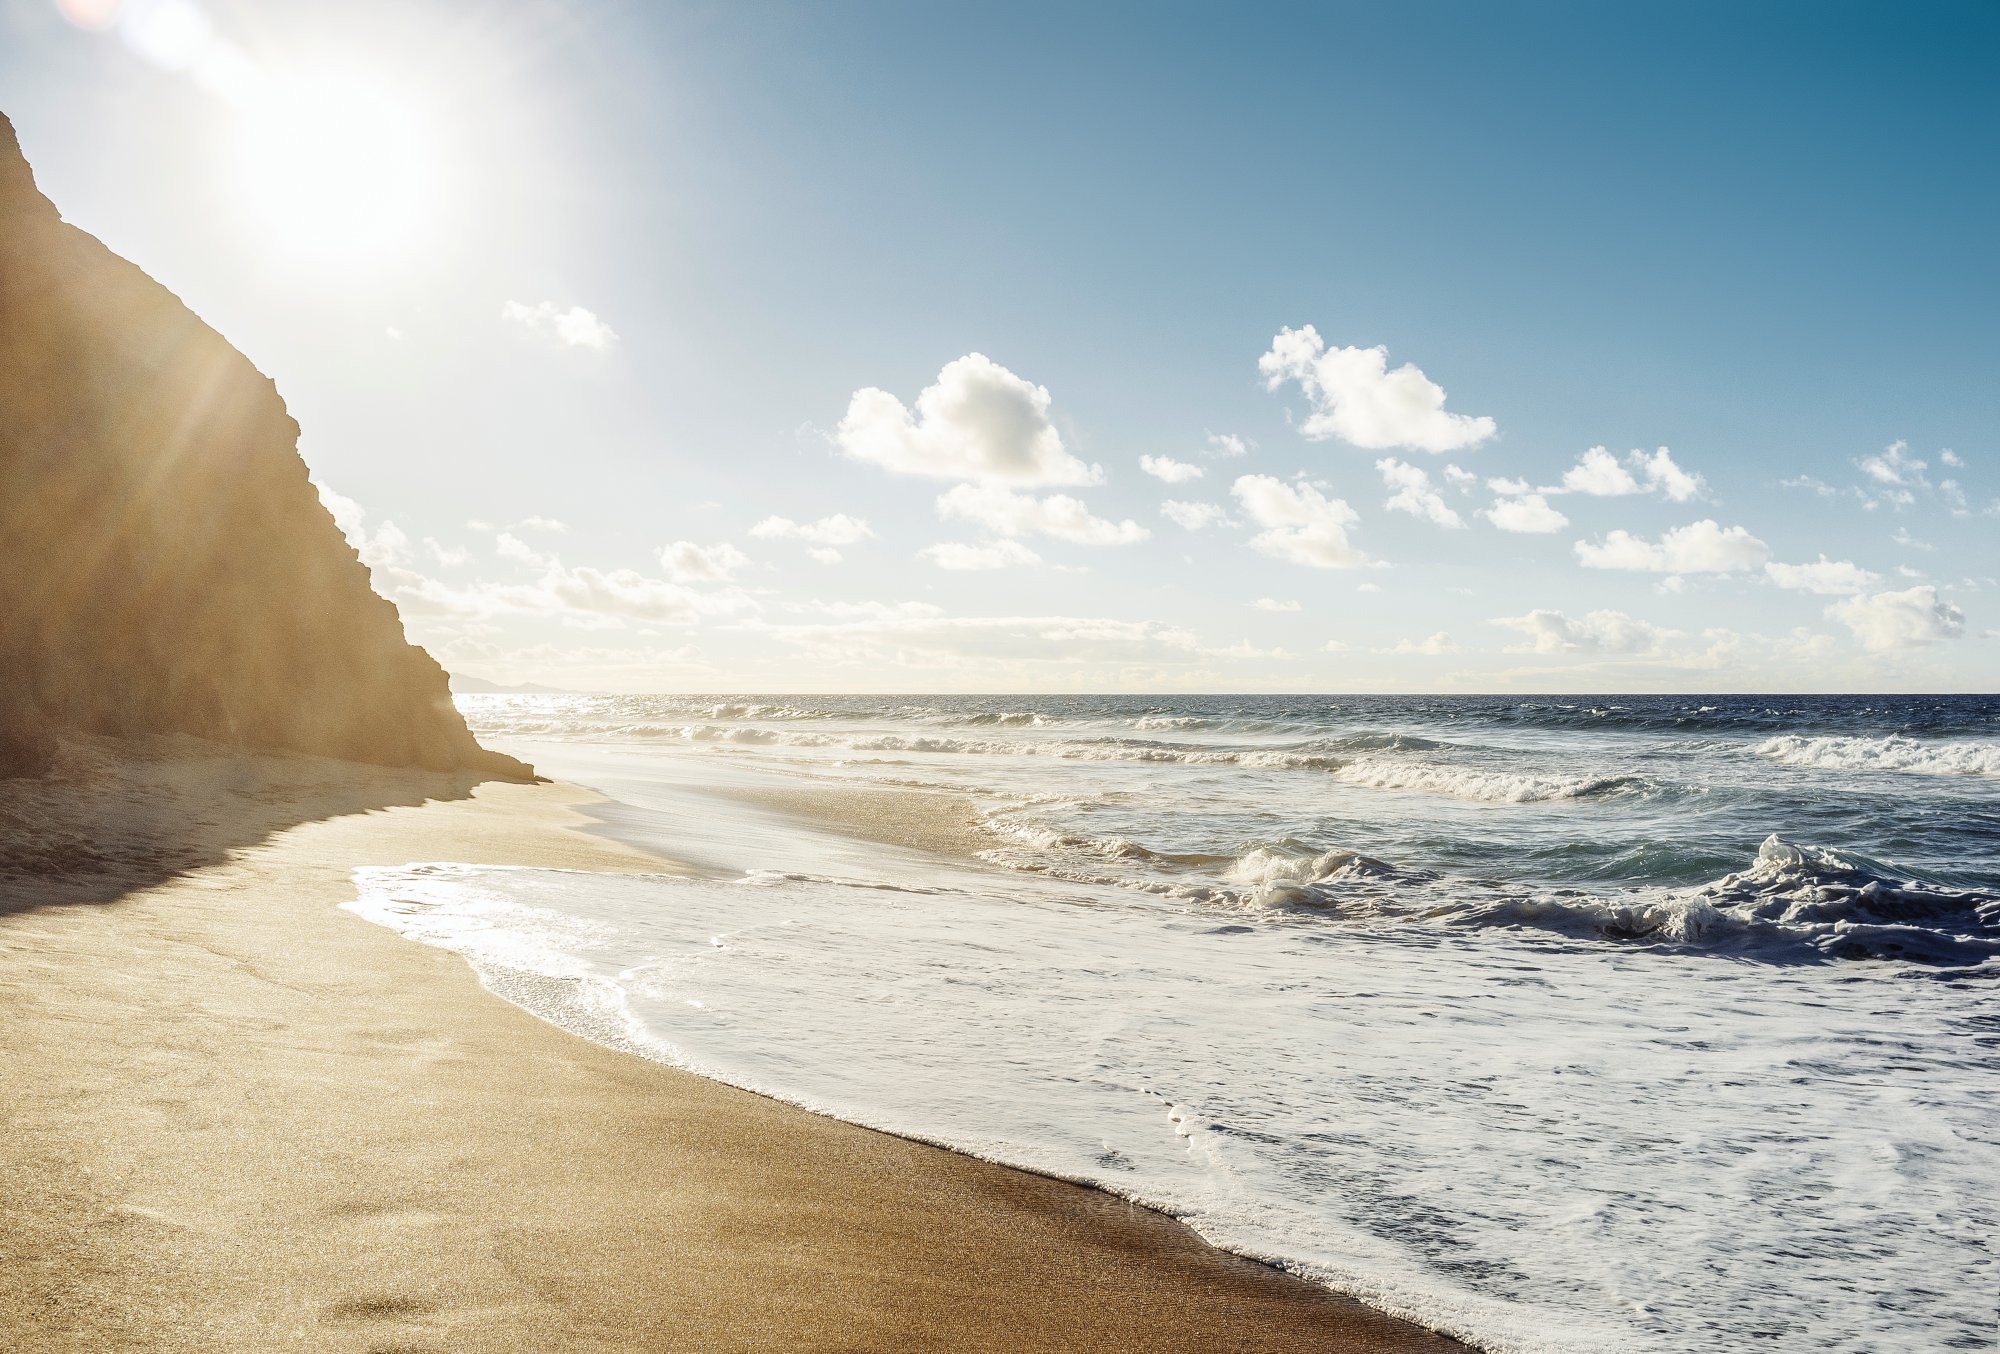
239	1118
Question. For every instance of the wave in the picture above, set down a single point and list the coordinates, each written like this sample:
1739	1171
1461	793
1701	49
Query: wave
1791	903
1495	787
1947	757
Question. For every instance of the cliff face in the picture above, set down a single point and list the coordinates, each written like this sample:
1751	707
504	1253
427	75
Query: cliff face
165	564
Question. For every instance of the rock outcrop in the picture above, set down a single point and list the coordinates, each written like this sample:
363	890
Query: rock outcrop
166	566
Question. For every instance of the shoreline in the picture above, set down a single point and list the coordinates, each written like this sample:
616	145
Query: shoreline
248	1119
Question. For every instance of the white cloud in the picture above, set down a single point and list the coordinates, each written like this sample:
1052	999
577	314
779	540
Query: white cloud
958	555
1598	472
1006	513
1823	576
1698	548
1193	516
1168	469
1665	478
449	556
986	645
1895	466
1228	444
572	328
1461	479
978	421
1606	632
1273	604
541	524
1950	457
509	546
1439	643
1300	523
820	536
1887	621
1501	485
1904	538
687	562
1358	399
1529	514
1414	494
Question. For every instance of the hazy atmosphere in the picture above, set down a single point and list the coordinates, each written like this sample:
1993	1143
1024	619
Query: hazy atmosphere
693	347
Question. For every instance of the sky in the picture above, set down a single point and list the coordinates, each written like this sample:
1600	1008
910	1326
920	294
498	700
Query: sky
1109	347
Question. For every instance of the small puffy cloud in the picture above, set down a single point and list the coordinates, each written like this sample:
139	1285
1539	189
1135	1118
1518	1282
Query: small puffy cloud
573	327
1273	604
624	594
1606	632
1300	523
509	546
957	555
449	556
978	421
380	547
1887	621
1356	397
1460	478
1529	514
549	524
687	562
1368	587
821	537
1950	457
1830	576
347	514
1192	516
1414	494
1439	643
1698	548
1511	488
1663	477
1600	473
1895	466
1006	513
1168	469
1227	444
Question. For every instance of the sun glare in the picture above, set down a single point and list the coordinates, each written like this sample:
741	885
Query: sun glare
336	171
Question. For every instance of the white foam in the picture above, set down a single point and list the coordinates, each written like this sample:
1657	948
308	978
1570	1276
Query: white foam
1464	782
1940	757
1534	1149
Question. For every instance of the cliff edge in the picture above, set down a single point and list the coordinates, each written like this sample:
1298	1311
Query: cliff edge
166	566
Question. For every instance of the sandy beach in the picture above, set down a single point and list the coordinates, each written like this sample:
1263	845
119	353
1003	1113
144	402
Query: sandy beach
240	1118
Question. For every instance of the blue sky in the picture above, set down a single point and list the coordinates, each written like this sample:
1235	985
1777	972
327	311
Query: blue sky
626	268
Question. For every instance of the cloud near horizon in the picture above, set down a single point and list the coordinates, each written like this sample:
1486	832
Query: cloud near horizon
1886	622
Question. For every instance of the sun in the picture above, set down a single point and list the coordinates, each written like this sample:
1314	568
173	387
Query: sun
336	170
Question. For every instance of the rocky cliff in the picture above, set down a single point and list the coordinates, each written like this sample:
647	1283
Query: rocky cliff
165	564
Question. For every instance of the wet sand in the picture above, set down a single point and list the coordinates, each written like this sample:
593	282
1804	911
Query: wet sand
240	1118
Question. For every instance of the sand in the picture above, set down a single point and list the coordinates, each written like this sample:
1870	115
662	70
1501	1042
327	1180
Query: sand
240	1118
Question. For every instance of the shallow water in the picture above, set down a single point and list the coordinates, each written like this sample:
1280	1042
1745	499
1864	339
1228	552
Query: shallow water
1650	1025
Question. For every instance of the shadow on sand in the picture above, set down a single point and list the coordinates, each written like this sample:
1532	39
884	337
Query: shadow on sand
113	817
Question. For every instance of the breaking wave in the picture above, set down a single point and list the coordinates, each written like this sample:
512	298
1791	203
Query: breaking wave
1948	757
1792	902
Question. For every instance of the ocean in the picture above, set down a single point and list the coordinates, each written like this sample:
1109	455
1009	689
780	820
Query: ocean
1647	1024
